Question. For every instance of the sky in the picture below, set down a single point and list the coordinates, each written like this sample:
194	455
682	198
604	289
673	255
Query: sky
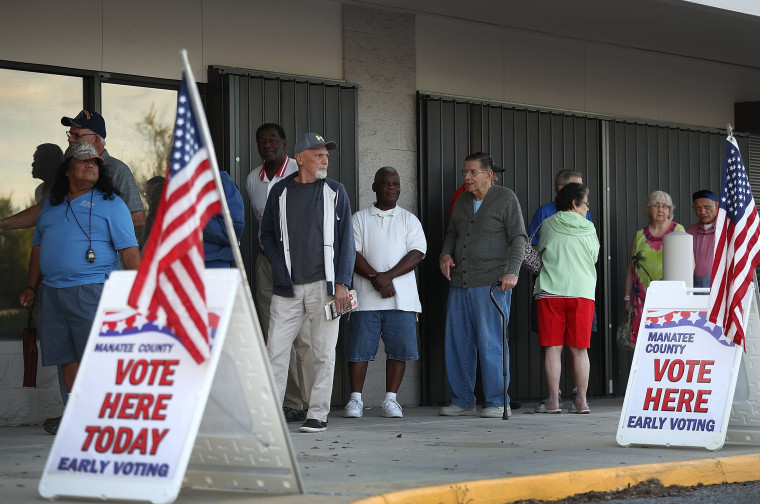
33	104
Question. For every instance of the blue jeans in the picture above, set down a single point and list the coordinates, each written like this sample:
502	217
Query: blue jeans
474	329
702	281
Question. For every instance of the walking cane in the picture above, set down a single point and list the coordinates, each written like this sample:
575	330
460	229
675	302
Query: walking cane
504	416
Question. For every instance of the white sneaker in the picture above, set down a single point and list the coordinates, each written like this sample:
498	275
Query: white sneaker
391	409
454	410
495	412
354	409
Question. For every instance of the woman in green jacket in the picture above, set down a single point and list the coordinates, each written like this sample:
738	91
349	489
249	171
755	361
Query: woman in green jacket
565	293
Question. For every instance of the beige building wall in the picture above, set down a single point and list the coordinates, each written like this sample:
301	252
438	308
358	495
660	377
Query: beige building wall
305	37
144	37
510	65
379	56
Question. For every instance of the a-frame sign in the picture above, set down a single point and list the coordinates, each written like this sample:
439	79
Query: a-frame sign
144	417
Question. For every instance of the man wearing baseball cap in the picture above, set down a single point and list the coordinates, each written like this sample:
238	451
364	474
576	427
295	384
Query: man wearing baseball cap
89	126
705	205
308	239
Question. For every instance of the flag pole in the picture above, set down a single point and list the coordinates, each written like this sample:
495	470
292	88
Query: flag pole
730	132
200	114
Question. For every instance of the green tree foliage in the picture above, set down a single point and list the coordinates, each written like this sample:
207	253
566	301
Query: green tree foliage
15	247
160	137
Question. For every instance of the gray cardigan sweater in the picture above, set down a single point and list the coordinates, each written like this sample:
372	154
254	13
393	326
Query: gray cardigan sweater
488	244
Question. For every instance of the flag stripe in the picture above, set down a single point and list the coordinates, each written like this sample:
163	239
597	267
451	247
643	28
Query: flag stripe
169	282
737	250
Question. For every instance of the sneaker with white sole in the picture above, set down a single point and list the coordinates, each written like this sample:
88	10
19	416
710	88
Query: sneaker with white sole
313	425
354	409
495	412
454	410
391	409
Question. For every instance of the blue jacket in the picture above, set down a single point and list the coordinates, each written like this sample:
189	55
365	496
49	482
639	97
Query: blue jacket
339	252
216	245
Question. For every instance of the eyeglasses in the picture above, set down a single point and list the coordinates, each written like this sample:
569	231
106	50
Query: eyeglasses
77	136
586	203
472	173
660	206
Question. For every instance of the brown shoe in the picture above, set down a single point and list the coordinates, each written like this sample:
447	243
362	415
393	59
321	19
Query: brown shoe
293	414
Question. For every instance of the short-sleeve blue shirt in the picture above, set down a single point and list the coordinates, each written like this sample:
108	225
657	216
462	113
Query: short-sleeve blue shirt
64	243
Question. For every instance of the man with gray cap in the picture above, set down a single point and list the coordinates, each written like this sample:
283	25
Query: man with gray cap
305	213
706	208
90	127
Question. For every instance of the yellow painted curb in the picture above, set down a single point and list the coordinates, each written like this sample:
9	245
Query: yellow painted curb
559	485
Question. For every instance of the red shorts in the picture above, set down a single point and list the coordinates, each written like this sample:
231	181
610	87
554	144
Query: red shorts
565	321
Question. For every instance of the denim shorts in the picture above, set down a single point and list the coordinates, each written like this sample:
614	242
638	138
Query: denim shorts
397	328
66	316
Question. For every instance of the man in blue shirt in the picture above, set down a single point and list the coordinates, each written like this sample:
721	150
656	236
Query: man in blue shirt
563	178
216	244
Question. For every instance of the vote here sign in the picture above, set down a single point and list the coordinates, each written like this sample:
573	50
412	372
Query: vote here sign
138	400
681	381
136	404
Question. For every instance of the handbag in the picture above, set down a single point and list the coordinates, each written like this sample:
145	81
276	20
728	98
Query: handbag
30	351
624	331
532	260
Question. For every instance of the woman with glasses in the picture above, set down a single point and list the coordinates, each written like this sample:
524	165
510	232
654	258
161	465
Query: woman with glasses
565	292
645	257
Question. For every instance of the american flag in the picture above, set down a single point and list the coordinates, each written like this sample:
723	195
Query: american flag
169	284
737	249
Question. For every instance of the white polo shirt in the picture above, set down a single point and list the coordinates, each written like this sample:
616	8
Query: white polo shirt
383	238
259	185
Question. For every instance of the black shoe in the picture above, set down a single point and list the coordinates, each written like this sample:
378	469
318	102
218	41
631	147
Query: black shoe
51	425
313	425
294	415
515	403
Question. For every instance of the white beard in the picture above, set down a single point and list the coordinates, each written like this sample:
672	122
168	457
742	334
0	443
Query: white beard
321	174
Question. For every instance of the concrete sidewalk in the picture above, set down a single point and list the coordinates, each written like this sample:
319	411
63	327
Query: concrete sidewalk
441	459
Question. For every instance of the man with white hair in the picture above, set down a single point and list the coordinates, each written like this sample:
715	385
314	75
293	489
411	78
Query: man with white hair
308	239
